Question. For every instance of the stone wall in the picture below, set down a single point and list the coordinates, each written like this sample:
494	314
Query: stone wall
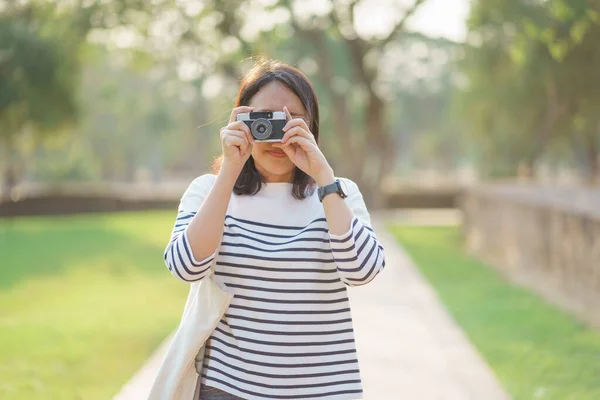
547	239
60	199
422	198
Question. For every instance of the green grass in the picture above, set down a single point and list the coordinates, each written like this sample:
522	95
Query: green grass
84	300
537	351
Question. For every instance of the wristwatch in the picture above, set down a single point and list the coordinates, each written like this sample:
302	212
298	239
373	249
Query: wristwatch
337	186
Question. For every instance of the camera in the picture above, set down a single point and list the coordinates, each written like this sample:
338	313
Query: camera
265	126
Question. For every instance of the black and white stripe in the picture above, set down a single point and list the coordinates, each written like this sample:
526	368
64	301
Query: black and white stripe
179	257
288	332
358	254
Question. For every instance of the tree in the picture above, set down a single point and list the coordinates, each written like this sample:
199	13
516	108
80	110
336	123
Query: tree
38	70
366	142
532	73
221	33
511	100
574	43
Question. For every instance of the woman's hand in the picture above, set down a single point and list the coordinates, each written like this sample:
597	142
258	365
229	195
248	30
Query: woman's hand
236	140
300	146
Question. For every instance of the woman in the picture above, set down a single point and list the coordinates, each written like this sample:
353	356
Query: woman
285	249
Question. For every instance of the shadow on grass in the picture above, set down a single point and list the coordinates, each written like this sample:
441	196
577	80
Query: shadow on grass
45	246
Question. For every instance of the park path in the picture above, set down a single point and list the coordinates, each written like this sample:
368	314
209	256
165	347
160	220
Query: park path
409	347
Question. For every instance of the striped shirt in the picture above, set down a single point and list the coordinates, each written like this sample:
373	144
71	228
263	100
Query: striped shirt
288	331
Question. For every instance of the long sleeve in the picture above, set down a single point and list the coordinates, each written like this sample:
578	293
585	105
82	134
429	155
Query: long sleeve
178	255
358	254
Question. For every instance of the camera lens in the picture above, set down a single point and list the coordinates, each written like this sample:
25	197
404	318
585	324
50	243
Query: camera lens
261	129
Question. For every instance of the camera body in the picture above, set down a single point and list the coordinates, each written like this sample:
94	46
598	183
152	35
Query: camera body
265	126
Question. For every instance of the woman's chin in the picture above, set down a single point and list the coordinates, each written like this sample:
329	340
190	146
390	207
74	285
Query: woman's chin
277	168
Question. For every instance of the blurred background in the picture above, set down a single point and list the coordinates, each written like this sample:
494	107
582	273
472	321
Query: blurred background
487	111
429	92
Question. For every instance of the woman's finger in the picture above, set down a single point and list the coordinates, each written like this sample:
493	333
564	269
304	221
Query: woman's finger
297	131
288	115
241	126
239	110
236	141
296	122
233	132
226	133
303	142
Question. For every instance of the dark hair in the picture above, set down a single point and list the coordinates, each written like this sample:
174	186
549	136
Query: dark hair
266	71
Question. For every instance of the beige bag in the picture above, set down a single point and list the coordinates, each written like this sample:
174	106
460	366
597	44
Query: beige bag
178	378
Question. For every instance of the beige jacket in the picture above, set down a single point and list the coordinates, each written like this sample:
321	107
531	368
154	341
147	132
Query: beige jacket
178	378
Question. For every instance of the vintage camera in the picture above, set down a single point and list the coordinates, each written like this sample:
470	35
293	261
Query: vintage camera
265	126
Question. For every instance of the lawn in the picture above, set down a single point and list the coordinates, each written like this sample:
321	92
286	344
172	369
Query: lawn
84	300
537	351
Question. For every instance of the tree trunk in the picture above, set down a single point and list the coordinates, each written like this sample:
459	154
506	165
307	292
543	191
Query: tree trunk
10	175
592	156
381	151
369	163
594	168
547	122
350	160
9	181
525	170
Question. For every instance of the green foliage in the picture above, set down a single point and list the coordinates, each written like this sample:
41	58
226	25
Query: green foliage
532	72
38	70
536	350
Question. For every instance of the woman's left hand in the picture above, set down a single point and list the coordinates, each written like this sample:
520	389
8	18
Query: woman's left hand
300	146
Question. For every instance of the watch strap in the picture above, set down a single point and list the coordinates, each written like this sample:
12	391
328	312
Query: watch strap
329	189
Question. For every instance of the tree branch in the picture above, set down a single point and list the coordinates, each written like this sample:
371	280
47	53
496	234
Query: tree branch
230	26
356	45
400	26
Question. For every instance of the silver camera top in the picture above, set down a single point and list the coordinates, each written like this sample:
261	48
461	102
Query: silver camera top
246	116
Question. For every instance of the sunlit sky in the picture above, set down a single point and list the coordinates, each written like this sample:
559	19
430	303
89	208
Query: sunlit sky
444	18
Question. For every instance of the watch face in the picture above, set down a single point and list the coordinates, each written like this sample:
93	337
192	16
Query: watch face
343	187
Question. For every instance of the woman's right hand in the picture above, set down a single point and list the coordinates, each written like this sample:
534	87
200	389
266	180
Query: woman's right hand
236	140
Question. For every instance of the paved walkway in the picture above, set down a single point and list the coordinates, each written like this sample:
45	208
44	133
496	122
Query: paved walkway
408	346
